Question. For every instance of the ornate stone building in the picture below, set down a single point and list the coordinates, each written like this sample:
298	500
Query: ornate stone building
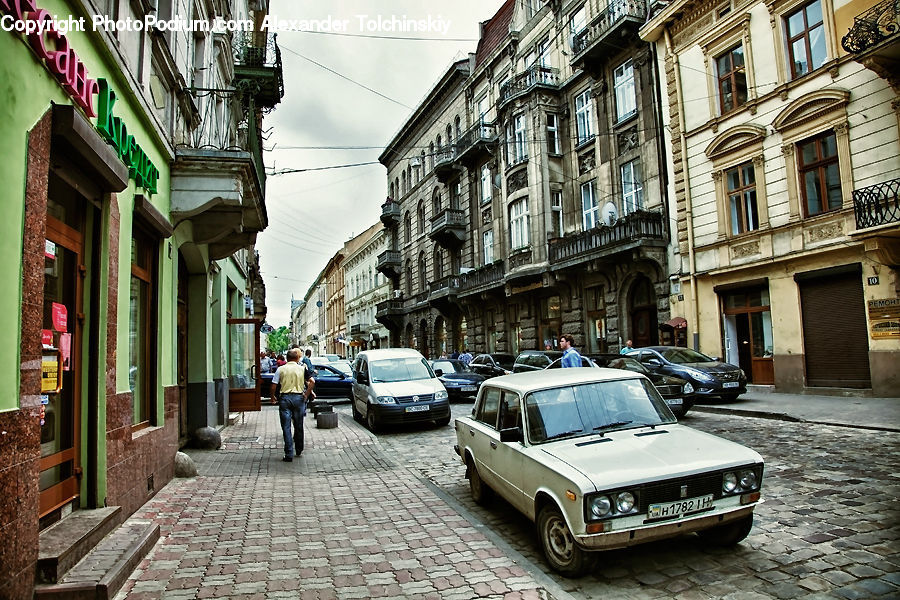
527	196
784	152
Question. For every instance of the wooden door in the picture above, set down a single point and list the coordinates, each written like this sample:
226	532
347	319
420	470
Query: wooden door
243	365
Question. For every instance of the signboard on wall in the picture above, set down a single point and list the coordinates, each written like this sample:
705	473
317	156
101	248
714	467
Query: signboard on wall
884	318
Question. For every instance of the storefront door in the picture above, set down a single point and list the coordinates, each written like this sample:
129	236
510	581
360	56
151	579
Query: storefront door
64	273
748	334
243	365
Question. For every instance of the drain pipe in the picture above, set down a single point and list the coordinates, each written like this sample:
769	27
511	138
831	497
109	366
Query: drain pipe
689	214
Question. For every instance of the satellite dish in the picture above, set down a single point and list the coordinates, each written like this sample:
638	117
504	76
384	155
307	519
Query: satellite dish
609	213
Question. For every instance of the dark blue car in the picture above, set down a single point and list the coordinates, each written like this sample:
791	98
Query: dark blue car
332	382
458	379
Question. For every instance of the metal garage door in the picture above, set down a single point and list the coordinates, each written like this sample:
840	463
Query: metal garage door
835	336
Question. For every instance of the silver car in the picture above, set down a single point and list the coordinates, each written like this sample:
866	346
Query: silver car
597	460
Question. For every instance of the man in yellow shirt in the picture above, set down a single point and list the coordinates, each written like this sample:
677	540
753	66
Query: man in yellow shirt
293	385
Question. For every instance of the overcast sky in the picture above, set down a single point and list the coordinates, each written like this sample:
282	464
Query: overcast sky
312	214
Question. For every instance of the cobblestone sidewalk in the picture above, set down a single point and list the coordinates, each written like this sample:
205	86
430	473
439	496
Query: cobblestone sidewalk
342	521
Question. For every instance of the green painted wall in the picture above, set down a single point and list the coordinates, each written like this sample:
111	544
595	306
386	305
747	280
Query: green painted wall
27	90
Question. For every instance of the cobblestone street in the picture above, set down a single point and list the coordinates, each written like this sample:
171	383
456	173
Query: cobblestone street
829	526
359	516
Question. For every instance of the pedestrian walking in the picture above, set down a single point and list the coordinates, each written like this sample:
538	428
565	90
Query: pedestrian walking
628	347
306	361
570	357
293	385
465	357
265	364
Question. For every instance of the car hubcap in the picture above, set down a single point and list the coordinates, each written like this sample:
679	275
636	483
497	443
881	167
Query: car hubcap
559	539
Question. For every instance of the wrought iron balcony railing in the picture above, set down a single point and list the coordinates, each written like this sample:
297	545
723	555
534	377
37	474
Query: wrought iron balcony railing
257	66
877	204
448	282
485	277
873	27
642	225
616	12
534	76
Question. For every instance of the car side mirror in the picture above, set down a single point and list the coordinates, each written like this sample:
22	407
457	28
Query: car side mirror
438	372
512	434
654	362
362	379
717	358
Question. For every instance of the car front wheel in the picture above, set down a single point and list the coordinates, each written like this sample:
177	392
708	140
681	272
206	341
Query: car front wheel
728	534
372	420
563	554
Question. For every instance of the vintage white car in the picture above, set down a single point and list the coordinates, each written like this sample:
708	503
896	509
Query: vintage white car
597	460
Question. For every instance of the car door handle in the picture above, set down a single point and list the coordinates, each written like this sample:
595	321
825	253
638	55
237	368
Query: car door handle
493	444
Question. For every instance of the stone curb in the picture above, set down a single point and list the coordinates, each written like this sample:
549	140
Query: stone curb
786	417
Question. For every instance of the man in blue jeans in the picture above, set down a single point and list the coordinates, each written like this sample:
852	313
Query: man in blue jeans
293	385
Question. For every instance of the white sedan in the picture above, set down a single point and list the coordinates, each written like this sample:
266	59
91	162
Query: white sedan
597	460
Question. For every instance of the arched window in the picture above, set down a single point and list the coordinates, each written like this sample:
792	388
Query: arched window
436	202
449	133
456	126
397	186
420	218
409	277
423	273
409	176
403	180
438	143
438	263
407	226
431	156
391	191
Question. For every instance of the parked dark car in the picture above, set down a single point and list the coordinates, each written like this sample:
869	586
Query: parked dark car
458	379
585	362
332	382
677	392
535	360
709	376
492	365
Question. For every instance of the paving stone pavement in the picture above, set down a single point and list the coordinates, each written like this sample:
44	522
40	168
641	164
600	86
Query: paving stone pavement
342	521
829	526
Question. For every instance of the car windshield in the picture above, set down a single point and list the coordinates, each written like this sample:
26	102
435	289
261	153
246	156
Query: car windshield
450	366
685	355
504	360
399	369
592	408
342	366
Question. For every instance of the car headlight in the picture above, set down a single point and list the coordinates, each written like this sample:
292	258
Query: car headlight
688	388
600	506
747	479
624	502
729	483
441	395
700	375
385	400
743	375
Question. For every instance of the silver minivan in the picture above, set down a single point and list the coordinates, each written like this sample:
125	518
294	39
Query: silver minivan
397	385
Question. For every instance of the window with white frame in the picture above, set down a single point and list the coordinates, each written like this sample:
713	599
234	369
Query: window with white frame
518	224
543	53
741	187
556	218
590	207
583	117
632	189
578	21
488	246
485	184
553	145
626	99
516	132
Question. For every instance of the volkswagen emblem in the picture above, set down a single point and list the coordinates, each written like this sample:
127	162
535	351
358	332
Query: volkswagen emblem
415	398
684	491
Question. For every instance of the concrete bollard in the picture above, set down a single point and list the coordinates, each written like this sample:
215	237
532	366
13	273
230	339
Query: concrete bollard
327	420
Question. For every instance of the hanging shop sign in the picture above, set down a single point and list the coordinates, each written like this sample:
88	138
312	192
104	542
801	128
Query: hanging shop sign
60	316
884	318
51	45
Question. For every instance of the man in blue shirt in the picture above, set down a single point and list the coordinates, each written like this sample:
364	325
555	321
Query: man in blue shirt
570	357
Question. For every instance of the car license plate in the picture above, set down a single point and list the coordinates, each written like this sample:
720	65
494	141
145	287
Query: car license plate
419	408
679	507
468	388
730	384
674	401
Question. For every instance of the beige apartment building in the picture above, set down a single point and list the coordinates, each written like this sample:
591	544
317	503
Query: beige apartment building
526	191
781	127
